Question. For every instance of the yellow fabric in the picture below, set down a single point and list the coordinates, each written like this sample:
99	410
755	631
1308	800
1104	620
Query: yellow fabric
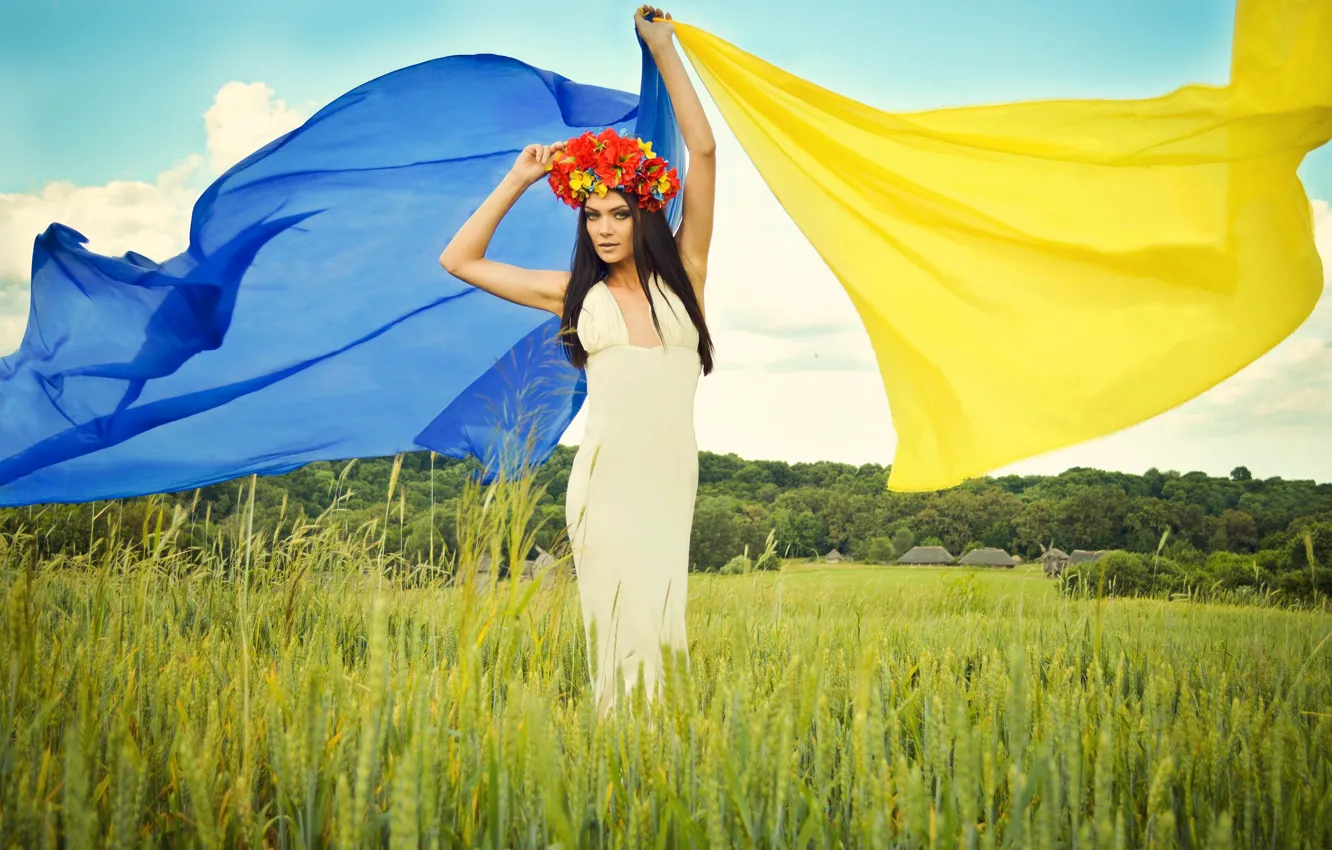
1033	275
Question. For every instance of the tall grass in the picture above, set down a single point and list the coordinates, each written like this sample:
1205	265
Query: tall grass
309	689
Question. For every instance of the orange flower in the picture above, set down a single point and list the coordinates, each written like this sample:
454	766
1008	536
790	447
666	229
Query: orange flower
607	160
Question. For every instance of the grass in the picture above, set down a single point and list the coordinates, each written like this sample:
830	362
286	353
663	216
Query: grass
310	691
1024	580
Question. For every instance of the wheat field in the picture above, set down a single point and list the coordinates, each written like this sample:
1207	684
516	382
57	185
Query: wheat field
308	690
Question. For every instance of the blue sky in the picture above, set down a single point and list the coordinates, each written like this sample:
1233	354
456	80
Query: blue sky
93	92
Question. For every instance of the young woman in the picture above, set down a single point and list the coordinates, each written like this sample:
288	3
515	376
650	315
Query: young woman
631	310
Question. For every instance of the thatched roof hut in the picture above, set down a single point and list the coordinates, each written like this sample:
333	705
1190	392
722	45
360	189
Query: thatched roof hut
533	566
834	557
988	557
935	556
557	570
1054	561
484	567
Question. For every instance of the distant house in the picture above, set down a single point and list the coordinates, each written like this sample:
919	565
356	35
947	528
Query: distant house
483	569
531	567
557	570
543	559
987	558
834	557
1054	561
1085	556
931	556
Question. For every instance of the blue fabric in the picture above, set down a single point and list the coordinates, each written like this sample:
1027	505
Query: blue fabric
309	319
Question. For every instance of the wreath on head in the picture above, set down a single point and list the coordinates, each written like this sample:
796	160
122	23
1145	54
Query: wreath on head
604	161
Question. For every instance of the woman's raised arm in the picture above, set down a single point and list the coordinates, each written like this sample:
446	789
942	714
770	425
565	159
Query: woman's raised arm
694	236
465	255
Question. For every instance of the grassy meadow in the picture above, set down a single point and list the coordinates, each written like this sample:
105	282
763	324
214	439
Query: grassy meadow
309	689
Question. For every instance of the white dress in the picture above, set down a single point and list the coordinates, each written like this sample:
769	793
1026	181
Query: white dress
630	503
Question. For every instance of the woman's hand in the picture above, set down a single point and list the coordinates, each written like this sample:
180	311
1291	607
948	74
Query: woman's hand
656	32
531	163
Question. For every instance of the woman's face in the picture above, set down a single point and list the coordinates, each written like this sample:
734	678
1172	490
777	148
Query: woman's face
610	223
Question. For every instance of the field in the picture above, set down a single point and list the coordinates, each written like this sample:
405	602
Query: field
1023	581
327	701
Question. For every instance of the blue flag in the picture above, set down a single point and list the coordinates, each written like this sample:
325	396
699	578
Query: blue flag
309	319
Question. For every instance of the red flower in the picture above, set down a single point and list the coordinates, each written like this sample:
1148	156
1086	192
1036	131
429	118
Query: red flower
615	161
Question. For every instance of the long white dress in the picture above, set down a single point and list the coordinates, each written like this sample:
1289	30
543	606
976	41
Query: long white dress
630	502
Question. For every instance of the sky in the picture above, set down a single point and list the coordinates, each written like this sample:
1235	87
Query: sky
114	116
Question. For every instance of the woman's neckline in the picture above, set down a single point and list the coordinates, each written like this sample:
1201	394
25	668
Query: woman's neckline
661	343
653	278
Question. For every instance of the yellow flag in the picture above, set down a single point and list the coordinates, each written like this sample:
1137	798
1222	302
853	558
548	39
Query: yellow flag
1033	275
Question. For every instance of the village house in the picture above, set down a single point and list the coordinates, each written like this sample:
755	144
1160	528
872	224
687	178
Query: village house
988	557
1085	556
926	556
1054	561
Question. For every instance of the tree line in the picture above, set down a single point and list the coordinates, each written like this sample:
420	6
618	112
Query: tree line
810	508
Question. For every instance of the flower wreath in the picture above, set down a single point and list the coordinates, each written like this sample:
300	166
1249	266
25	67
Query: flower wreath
598	163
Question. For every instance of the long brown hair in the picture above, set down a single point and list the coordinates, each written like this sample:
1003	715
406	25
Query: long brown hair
655	251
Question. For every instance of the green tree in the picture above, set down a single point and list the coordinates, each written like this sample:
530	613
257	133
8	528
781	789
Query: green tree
1144	523
713	540
1036	526
880	550
1239	531
902	541
1093	518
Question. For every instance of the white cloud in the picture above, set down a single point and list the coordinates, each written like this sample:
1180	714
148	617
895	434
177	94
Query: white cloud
243	118
150	218
123	215
128	215
13	314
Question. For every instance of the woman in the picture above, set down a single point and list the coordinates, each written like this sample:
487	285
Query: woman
631	310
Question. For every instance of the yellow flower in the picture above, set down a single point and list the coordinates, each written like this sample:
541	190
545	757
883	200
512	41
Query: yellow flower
601	190
579	180
646	148
663	185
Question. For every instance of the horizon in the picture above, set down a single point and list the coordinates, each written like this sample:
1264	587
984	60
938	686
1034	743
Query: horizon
993	477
